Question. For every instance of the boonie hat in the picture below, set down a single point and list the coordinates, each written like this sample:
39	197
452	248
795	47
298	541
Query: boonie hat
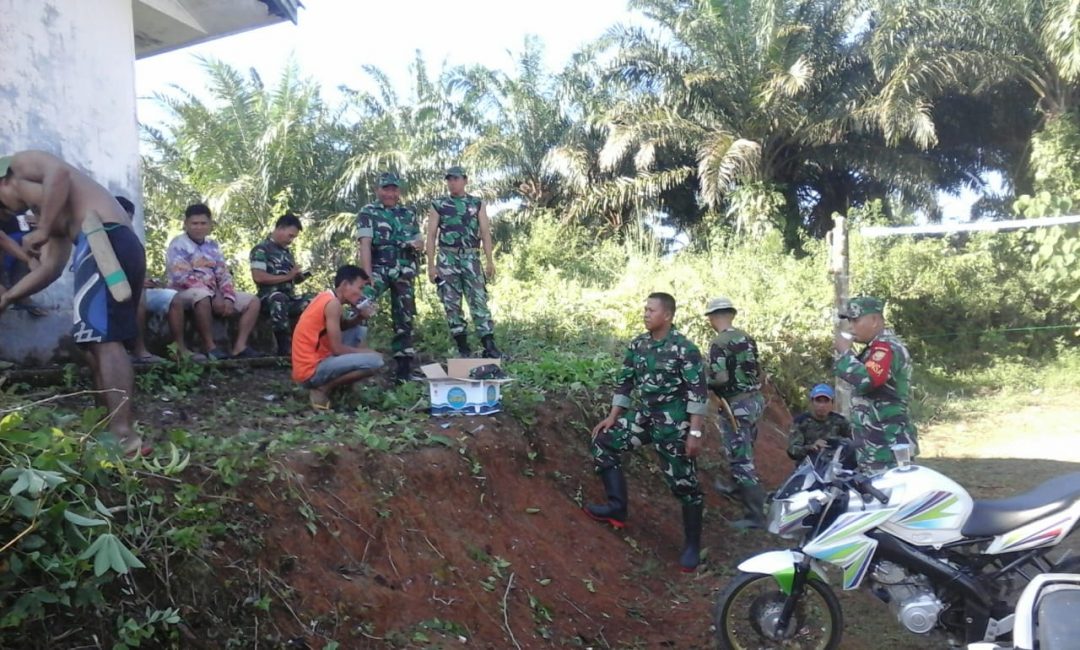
386	179
456	170
719	304
822	390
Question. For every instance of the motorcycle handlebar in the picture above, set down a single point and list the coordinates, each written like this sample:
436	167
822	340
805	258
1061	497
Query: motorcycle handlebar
863	486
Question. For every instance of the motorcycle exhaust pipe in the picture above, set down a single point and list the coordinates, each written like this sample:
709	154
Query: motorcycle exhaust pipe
902	553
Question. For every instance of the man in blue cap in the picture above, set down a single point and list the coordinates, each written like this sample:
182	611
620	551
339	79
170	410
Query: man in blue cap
811	431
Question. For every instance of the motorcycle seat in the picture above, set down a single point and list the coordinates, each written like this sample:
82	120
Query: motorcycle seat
994	517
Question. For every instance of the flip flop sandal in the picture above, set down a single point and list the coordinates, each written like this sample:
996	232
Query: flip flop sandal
148	358
217	354
139	452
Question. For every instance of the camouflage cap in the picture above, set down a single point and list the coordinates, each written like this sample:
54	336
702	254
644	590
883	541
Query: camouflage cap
861	306
5	165
386	179
456	170
719	304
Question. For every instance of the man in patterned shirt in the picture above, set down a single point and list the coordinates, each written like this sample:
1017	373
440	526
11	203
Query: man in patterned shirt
457	227
667	370
735	377
197	269
276	274
388	238
880	378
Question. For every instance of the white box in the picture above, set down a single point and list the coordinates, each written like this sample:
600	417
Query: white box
453	393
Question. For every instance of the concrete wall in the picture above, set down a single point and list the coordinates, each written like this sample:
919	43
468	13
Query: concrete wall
67	86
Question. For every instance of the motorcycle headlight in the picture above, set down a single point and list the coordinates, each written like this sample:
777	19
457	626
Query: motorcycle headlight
787	517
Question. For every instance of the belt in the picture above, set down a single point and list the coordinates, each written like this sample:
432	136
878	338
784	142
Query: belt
458	249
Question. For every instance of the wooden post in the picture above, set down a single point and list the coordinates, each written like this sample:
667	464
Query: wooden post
838	268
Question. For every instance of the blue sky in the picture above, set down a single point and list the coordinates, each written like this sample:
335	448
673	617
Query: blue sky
334	38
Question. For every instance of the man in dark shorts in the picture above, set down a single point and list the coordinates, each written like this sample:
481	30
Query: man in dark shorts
63	197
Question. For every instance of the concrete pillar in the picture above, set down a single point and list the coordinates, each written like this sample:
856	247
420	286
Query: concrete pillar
67	86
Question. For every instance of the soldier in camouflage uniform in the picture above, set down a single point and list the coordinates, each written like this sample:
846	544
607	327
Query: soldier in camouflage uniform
735	377
275	274
813	430
880	378
457	226
389	242
667	370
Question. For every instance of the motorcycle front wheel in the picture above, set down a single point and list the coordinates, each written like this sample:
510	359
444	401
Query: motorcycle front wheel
748	611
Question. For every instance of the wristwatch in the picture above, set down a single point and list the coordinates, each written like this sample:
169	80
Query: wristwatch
696	433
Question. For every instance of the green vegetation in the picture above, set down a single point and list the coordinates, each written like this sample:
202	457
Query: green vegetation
705	157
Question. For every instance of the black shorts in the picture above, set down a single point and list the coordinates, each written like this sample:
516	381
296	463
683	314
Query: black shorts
99	318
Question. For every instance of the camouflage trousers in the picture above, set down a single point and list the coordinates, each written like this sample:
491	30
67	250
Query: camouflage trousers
739	442
666	430
399	280
283	308
463	276
875	431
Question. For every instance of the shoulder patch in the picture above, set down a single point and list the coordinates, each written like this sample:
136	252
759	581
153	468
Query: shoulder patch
878	363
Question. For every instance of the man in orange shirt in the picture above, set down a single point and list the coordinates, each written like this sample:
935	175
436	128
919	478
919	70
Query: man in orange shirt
328	351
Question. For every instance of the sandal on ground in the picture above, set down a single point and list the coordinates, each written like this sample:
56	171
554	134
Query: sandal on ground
147	358
217	354
248	353
142	451
319	401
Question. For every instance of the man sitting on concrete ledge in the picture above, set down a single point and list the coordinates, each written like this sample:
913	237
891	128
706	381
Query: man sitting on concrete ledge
328	350
198	270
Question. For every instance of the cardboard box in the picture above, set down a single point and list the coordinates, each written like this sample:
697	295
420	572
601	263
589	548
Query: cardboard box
453	393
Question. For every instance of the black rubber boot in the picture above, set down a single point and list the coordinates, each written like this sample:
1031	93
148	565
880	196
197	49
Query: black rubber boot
691	521
462	341
754	500
614	511
729	490
490	351
284	343
403	372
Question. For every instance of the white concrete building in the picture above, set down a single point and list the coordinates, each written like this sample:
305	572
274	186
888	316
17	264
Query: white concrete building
67	86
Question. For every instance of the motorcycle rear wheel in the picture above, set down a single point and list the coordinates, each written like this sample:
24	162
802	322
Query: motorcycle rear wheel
747	609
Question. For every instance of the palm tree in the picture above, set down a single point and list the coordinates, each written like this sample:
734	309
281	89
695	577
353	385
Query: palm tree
251	153
1014	51
762	95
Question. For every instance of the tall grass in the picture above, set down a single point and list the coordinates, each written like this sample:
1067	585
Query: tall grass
561	294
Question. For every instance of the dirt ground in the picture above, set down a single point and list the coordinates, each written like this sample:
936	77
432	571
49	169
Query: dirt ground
482	543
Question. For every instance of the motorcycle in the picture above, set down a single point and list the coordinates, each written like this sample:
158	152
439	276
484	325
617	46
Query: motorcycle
1046	615
939	559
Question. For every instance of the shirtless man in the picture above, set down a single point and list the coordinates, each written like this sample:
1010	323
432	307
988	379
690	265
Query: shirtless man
62	196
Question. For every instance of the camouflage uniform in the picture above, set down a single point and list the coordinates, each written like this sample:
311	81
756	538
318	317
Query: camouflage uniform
393	266
279	301
669	376
459	265
880	377
734	374
806	430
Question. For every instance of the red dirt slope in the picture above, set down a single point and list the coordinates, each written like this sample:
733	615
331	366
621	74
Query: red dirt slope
488	538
